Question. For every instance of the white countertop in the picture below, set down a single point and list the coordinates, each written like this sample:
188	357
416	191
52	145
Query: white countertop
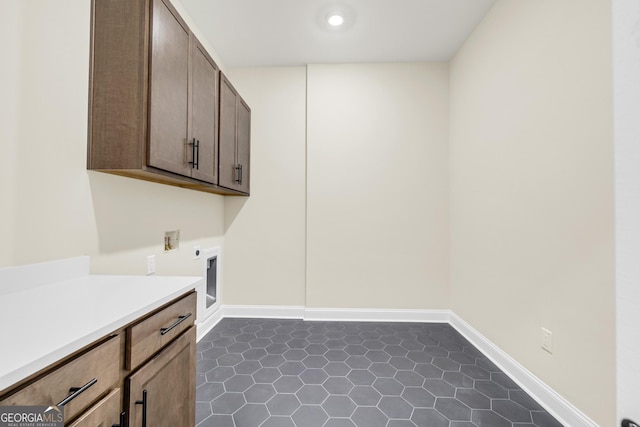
42	324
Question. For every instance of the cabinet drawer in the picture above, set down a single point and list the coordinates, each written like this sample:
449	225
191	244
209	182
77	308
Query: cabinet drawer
75	384
105	413
147	337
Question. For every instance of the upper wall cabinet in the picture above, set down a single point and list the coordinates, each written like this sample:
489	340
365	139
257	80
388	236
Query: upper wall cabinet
235	131
154	101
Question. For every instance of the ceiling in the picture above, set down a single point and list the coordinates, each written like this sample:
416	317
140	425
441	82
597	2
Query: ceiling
247	33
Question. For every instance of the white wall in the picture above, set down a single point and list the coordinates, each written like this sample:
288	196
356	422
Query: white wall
626	66
348	205
53	207
377	186
532	227
264	259
10	82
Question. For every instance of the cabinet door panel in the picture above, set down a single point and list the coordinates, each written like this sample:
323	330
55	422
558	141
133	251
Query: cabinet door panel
243	143
118	95
204	111
227	153
168	148
166	385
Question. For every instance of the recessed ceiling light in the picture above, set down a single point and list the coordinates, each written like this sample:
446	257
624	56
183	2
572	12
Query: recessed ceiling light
335	19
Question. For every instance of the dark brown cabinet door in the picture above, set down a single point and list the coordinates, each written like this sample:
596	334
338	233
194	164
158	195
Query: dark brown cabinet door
162	392
235	129
169	74
227	150
204	112
243	143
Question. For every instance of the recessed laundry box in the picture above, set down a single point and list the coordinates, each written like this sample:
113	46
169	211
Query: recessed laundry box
209	295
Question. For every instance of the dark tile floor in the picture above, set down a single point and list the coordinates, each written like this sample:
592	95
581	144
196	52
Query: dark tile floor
277	373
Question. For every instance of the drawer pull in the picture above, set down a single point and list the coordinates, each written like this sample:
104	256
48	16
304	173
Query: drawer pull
76	391
122	415
177	322
143	402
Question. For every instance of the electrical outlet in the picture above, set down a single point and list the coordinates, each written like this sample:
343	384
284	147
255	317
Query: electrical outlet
151	265
547	340
196	252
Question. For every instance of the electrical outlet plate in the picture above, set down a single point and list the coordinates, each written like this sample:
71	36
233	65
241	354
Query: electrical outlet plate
547	340
151	265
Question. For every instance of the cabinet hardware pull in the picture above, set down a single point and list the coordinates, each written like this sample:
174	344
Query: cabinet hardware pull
629	423
122	415
198	154
195	153
143	402
239	174
177	322
76	391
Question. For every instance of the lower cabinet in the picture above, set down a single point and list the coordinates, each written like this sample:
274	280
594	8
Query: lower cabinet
142	375
162	391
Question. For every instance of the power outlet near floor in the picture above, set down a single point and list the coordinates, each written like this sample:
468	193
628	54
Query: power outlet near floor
547	340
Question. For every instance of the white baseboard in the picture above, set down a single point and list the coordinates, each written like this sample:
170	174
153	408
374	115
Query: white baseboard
335	314
376	315
264	311
556	405
203	327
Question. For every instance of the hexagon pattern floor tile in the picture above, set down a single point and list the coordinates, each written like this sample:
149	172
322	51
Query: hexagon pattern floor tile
292	373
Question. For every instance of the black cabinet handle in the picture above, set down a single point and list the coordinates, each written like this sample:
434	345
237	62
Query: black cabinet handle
195	153
76	391
629	423
143	402
122	415
176	323
198	154
239	174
